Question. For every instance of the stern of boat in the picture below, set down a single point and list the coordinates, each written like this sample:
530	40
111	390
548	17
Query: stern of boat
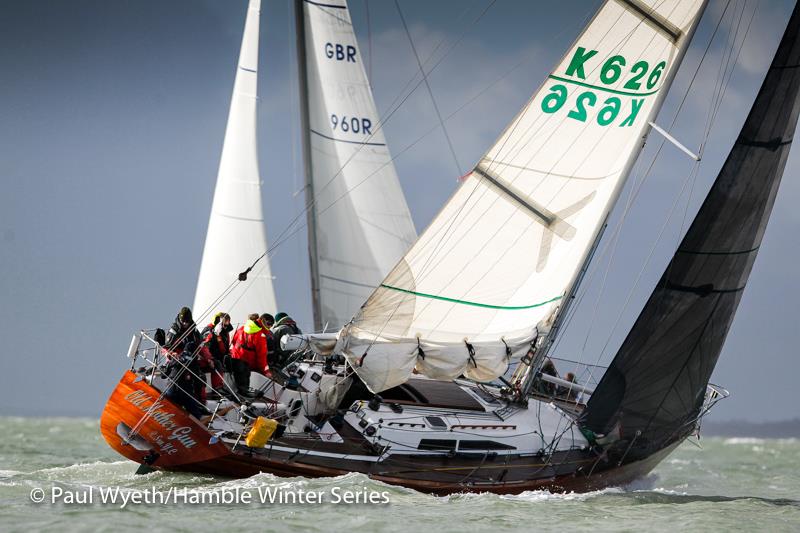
141	424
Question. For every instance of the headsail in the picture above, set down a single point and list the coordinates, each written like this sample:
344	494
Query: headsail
359	223
505	250
236	234
655	386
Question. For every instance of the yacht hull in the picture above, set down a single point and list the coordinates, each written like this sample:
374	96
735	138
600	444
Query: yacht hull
170	439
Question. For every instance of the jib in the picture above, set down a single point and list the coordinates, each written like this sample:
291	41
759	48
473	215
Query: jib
340	52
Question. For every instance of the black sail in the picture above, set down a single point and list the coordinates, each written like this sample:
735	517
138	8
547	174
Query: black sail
655	387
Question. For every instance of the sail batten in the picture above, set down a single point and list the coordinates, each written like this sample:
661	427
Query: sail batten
359	223
236	233
521	225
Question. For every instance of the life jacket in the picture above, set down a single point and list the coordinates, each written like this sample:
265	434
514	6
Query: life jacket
249	344
217	343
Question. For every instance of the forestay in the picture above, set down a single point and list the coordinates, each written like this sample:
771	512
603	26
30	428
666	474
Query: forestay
359	223
495	264
236	234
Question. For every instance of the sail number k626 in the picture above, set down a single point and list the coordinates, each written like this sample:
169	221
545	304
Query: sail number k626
640	81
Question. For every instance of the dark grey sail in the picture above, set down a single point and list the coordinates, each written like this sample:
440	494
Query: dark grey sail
655	387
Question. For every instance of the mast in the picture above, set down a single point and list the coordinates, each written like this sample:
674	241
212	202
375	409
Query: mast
575	283
359	225
305	133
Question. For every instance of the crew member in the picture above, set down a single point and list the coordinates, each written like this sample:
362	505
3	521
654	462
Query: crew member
267	321
284	325
216	337
249	352
187	387
183	330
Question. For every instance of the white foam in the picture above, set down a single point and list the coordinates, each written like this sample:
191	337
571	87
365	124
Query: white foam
545	496
669	492
78	467
743	440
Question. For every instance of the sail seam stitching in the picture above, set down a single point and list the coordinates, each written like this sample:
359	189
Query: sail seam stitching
466	302
344	140
699	252
599	88
238	218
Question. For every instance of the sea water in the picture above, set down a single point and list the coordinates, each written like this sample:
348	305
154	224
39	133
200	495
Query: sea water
720	485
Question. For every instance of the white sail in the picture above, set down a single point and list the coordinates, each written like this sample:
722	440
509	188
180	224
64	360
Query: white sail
494	266
359	224
236	233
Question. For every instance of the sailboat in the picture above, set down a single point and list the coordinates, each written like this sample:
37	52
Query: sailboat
421	400
359	224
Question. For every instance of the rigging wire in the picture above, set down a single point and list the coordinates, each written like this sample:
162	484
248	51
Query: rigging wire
297	220
446	234
443	239
369	43
428	85
610	248
689	179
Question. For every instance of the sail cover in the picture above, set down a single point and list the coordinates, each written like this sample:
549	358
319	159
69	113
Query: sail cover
359	223
655	386
236	234
499	258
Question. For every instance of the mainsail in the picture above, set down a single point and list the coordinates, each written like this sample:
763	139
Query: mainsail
359	223
655	386
236	233
493	268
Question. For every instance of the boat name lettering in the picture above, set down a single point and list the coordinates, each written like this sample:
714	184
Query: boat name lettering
166	447
145	403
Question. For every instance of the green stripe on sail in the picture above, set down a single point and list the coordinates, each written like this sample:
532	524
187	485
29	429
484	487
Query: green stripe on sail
476	304
599	88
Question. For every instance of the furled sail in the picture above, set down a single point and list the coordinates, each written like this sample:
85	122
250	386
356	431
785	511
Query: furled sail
359	223
236	233
496	262
655	386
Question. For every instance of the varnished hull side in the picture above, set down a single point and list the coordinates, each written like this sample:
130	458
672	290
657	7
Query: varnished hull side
169	430
576	470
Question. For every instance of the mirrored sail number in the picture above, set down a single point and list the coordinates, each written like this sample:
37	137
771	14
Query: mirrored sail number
609	111
627	98
351	124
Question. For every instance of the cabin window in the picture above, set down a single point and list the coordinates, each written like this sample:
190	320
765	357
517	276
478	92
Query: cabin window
437	445
483	445
436	422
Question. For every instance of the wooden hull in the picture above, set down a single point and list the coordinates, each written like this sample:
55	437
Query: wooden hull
183	444
170	432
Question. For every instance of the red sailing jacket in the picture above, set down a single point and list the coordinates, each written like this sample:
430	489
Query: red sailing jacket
249	344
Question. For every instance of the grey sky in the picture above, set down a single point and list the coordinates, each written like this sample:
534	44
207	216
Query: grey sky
112	115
